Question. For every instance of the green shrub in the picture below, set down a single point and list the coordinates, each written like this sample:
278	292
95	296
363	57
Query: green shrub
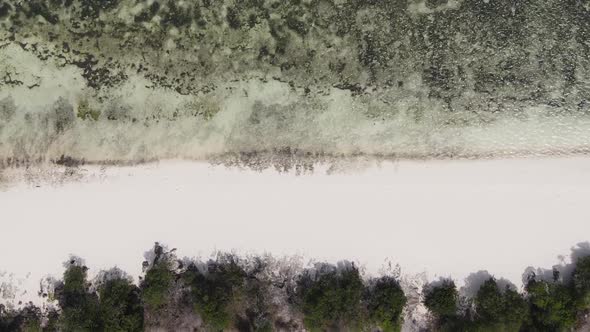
581	281
442	300
80	308
516	310
215	291
499	311
492	309
552	305
116	305
330	298
385	304
156	285
26	319
489	302
52	323
120	305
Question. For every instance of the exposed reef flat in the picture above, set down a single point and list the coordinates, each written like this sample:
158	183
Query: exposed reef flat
125	81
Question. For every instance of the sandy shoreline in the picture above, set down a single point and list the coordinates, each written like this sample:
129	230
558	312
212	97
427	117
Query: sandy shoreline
445	218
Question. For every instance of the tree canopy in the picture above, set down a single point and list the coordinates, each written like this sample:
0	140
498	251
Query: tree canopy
330	297
230	292
385	301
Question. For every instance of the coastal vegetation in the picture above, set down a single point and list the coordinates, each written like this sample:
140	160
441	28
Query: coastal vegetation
262	293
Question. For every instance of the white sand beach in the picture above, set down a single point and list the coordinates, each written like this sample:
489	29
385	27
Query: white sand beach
445	218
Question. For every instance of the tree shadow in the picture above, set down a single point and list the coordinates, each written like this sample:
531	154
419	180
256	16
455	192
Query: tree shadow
559	272
474	281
